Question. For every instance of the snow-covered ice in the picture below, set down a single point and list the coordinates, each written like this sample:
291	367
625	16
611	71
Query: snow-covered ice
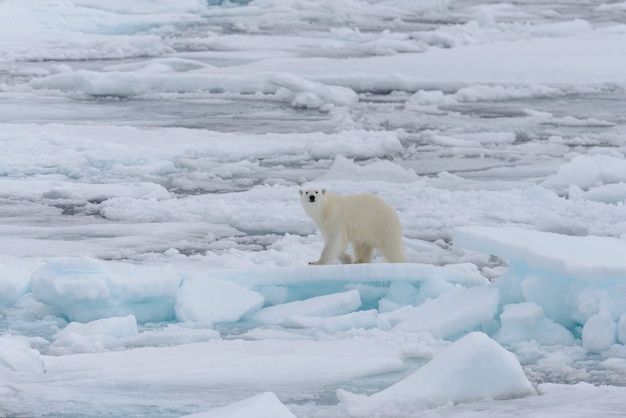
264	405
153	250
474	367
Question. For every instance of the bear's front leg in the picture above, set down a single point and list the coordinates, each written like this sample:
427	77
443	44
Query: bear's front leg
334	248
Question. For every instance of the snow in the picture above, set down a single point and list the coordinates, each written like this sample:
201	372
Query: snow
154	254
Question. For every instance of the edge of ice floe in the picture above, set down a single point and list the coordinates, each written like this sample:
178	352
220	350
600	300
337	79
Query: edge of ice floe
582	257
466	274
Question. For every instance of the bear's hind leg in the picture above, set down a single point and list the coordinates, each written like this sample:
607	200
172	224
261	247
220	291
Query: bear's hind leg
363	252
393	251
345	258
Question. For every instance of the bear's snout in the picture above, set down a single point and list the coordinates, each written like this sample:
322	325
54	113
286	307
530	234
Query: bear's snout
311	198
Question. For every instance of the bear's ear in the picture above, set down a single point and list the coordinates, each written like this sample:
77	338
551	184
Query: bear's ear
301	192
323	191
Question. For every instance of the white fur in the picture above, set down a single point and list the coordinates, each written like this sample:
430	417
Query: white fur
364	220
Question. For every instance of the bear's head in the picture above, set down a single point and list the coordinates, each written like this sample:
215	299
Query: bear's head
312	199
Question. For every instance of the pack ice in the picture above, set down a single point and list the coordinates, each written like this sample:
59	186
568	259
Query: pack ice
559	290
557	287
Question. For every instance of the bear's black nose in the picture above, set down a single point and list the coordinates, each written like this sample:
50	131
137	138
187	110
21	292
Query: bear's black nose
311	198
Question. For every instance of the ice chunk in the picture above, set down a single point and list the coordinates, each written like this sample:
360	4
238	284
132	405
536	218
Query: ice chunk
452	313
59	190
599	333
264	405
621	329
310	94
399	294
586	171
84	290
472	368
611	193
526	321
359	319
327	305
115	327
521	315
71	279
94	336
213	301
359	144
16	355
483	92
14	279
159	65
432	97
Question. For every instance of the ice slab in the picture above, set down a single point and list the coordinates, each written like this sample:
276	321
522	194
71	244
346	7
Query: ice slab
238	365
589	257
473	368
83	290
327	305
452	313
202	299
526	321
264	405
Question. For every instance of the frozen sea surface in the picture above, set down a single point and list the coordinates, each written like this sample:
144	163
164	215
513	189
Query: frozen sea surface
153	251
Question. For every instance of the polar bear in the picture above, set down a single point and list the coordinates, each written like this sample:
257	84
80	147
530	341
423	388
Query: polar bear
364	220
